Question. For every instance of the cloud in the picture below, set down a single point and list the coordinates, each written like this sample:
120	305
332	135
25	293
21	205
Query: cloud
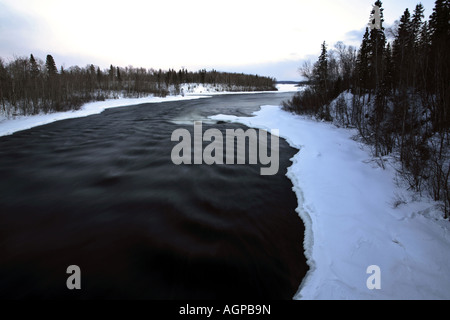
284	70
15	31
354	37
164	33
236	34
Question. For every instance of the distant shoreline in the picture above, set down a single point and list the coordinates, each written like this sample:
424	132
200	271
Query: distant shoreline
9	126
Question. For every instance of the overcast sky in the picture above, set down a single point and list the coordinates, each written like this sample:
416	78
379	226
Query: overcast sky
270	38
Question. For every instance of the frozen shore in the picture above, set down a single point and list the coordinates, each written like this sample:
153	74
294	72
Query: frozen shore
353	217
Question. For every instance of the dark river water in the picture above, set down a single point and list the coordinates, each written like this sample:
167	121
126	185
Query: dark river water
102	193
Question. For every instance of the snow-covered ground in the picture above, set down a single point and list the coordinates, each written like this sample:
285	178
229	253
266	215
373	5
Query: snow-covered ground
289	88
209	89
193	91
357	216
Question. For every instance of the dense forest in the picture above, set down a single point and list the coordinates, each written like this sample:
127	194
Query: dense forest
30	86
395	89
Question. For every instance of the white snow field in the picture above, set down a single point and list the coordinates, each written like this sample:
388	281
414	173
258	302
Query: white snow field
354	219
208	89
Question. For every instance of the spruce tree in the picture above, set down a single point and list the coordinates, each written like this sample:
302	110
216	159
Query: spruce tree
402	52
363	61
423	46
402	49
414	44
34	67
3	85
99	76
377	43
51	66
322	69
388	80
439	20
440	63
417	23
119	77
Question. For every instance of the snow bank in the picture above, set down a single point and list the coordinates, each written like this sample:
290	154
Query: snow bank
354	219
19	123
289	88
219	89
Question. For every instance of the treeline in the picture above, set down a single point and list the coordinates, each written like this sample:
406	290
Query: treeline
30	86
397	93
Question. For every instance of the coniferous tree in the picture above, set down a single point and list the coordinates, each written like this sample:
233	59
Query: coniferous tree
34	90
439	103
99	75
440	63
323	70
402	50
119	77
322	79
388	72
423	59
417	24
363	62
34	67
52	83
377	43
51	66
4	86
439	20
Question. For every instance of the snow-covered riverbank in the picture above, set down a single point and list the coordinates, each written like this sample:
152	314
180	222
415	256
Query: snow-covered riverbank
194	91
10	125
356	216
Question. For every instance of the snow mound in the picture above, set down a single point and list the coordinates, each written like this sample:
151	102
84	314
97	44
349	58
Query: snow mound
354	219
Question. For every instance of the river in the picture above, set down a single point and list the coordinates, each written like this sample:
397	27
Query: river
102	193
